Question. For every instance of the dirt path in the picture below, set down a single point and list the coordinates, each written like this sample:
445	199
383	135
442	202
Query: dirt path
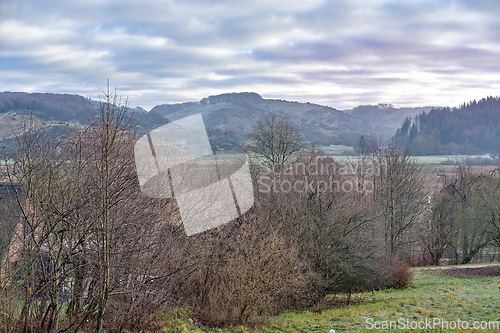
458	266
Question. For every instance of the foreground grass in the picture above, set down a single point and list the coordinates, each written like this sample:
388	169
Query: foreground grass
431	295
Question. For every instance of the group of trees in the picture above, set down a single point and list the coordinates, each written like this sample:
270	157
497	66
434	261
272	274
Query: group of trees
85	242
464	216
353	229
88	251
472	128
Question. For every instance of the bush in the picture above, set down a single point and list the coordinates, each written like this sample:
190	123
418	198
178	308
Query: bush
8	312
334	231
401	275
247	271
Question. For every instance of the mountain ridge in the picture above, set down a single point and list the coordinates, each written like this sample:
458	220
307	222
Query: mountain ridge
239	111
228	117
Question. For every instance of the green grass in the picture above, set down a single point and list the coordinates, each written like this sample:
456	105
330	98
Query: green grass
338	152
431	295
437	159
336	148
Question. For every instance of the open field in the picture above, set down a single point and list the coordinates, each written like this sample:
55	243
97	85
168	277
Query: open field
346	153
434	167
432	296
449	159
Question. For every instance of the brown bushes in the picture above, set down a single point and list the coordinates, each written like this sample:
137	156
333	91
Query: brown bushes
246	271
8	308
401	275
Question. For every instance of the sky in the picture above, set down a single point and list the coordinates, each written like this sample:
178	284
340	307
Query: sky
337	53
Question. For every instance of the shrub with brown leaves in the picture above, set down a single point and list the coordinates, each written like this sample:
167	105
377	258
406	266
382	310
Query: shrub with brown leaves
246	271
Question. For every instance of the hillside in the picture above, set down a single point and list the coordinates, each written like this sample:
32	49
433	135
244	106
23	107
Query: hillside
59	107
470	129
384	119
229	118
60	110
232	116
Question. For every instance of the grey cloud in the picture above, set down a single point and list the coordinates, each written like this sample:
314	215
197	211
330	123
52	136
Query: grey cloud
175	48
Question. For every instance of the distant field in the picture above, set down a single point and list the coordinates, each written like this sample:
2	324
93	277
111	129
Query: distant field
456	159
342	154
431	295
337	149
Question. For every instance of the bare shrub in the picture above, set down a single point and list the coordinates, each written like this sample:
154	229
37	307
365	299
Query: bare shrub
9	321
401	275
247	271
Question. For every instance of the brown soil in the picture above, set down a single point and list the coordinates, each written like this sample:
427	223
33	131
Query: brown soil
464	272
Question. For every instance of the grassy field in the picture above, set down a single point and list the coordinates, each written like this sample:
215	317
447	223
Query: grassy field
341	153
450	159
431	296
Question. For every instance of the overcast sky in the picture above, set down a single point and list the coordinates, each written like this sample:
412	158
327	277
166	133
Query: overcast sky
337	53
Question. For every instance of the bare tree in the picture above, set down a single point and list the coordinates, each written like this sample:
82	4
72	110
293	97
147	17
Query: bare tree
275	139
87	242
125	229
490	199
438	227
471	217
38	251
400	196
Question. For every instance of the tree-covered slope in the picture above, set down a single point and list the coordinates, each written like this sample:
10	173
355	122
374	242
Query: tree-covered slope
472	128
238	112
61	110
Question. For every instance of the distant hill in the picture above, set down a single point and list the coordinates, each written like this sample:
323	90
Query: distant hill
60	109
230	117
384	119
470	129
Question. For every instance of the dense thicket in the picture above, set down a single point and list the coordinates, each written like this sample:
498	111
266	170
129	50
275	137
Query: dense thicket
472	128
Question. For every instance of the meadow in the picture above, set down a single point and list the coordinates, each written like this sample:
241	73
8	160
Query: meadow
432	296
346	154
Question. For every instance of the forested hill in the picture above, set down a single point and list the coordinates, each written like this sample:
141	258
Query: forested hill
470	129
61	109
230	117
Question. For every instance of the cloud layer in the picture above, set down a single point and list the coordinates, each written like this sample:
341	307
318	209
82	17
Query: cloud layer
339	53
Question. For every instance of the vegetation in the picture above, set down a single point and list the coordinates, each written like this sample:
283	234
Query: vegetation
86	242
59	107
236	113
84	250
470	129
275	140
60	111
431	295
384	119
463	216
